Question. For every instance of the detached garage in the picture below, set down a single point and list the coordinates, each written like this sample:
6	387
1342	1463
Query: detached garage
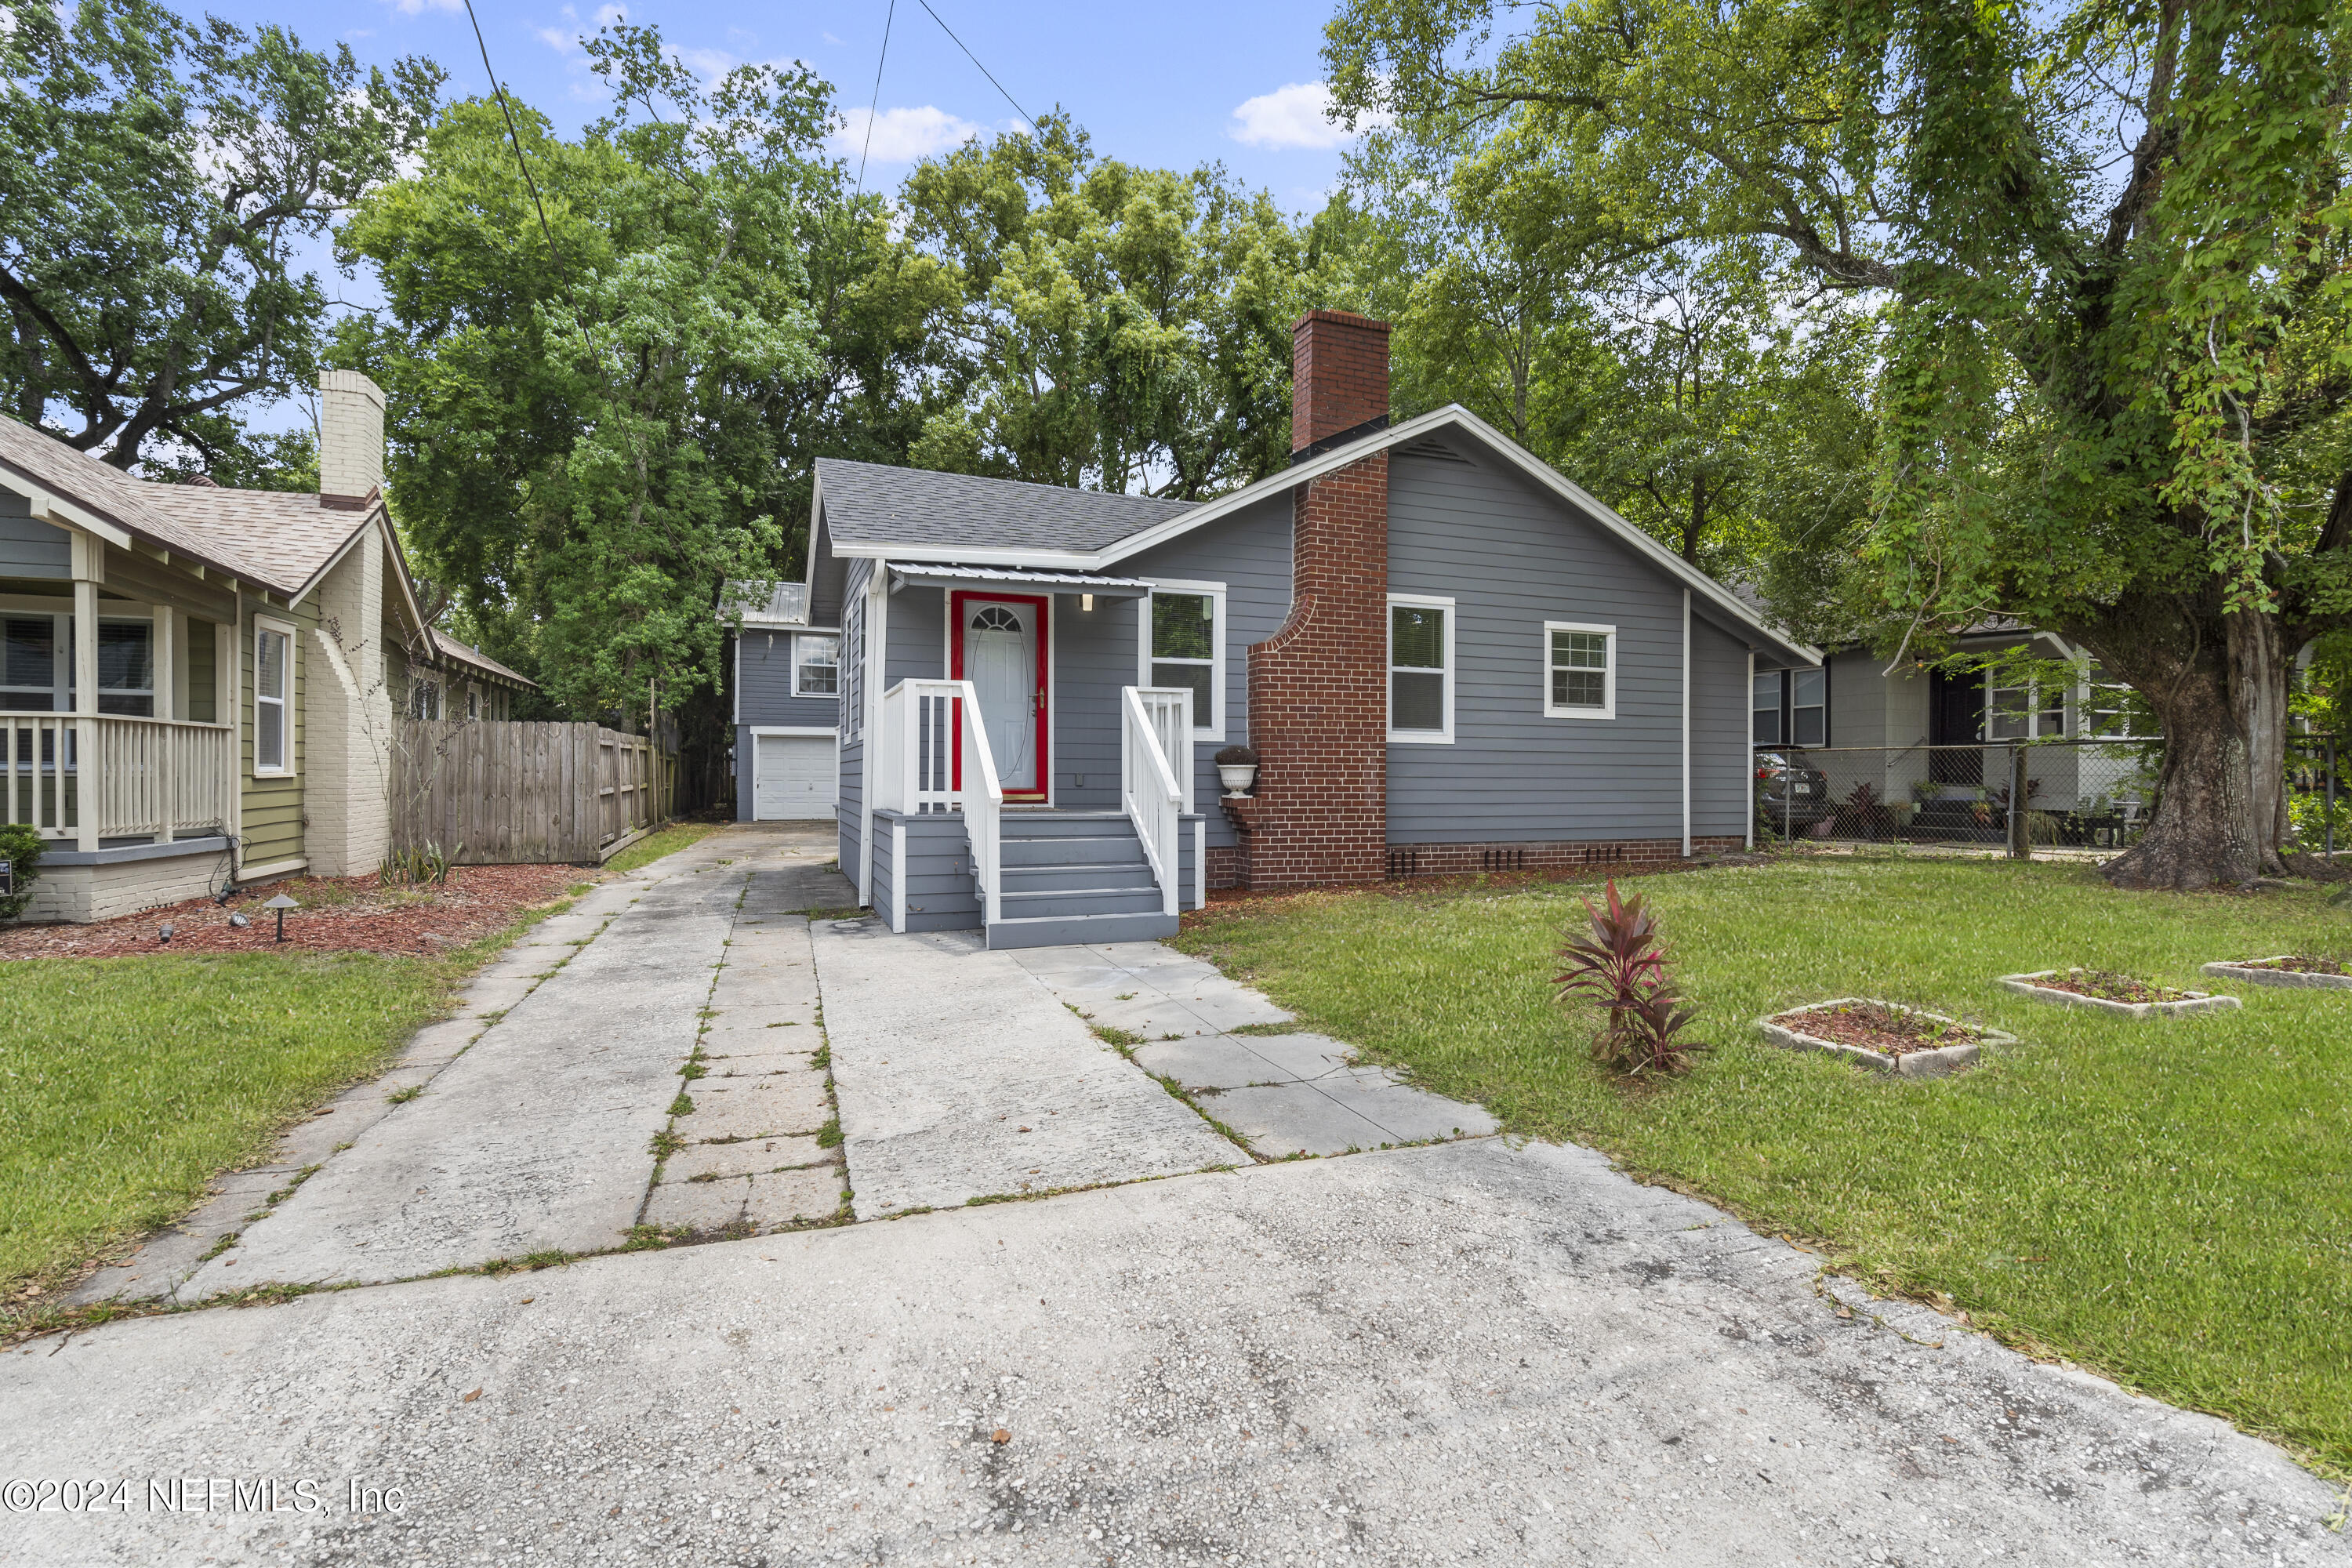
785	676
793	775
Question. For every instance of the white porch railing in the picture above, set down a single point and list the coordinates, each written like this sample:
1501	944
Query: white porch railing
931	755
1157	724
114	776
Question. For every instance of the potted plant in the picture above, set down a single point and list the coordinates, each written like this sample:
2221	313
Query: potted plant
1237	771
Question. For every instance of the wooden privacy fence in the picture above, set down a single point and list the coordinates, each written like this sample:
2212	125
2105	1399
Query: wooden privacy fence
518	794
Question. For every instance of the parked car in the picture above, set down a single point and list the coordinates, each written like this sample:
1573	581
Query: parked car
1791	793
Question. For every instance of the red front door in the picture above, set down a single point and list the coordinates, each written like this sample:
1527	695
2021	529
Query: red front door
998	643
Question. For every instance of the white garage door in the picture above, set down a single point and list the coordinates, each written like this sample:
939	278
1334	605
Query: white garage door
792	778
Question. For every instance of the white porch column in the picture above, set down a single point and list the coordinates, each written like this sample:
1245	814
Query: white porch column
164	678
88	571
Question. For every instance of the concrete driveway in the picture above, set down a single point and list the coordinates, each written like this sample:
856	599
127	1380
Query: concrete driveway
1459	1352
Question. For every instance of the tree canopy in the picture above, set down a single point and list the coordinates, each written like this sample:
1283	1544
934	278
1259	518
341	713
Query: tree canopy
161	176
2108	248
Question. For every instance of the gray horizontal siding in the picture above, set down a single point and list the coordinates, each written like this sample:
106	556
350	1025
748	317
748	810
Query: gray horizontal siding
1249	552
1721	776
28	547
764	686
1513	557
939	891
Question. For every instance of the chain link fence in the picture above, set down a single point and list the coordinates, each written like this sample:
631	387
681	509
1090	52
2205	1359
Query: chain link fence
2020	796
2090	796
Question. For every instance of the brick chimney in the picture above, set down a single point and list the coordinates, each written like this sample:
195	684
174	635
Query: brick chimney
351	439
1318	687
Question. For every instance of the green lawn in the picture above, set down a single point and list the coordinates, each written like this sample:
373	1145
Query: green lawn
2168	1202
129	1082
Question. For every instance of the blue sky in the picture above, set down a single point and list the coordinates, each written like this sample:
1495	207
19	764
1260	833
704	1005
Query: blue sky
1164	85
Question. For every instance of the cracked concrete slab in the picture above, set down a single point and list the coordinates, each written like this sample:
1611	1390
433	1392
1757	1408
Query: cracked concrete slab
958	1076
537	1138
751	1157
755	1107
1466	1353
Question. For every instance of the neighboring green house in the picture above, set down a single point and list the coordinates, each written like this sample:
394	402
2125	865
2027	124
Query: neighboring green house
198	684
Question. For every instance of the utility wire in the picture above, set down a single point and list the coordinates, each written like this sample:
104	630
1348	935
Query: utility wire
1026	117
875	104
562	278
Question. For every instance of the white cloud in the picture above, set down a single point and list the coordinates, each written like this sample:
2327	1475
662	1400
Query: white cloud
418	7
1297	115
903	135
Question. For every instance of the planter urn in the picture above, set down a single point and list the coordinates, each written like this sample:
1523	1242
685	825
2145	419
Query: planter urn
1237	778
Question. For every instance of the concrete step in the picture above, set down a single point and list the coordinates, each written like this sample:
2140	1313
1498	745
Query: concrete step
1079	901
1097	874
1091	850
1062	931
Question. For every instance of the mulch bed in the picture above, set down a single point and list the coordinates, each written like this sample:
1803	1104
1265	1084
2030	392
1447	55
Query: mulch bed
2109	987
1889	1031
342	914
2298	965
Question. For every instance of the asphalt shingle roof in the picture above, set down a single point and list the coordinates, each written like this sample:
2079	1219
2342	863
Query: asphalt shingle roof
869	503
275	538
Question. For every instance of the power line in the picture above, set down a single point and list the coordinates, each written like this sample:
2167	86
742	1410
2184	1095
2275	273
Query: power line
875	104
1026	117
563	280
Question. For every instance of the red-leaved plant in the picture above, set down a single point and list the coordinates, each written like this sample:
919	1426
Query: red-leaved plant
1620	961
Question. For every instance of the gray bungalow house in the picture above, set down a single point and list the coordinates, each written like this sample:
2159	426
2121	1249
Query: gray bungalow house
1445	655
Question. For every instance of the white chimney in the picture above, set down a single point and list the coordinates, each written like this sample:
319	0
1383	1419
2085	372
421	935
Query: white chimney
350	438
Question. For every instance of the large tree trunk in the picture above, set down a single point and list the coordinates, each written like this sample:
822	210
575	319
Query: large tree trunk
2221	807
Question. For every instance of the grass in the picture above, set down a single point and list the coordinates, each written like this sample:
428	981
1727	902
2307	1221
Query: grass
664	841
2168	1201
126	1084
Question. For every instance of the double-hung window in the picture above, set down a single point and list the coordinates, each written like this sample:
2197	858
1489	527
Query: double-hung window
424	698
126	667
2106	706
816	667
1183	636
1420	669
31	678
1809	707
1580	670
273	692
1764	703
2023	712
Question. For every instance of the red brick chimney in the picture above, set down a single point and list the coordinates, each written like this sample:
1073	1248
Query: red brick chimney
1318	687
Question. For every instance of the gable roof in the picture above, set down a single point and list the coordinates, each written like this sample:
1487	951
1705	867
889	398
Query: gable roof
280	540
1041	533
870	503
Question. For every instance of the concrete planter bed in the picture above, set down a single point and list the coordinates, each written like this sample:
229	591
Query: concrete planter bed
2132	998
2286	969
1906	1049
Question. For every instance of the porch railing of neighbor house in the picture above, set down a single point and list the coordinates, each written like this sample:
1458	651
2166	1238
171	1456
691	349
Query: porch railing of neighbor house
158	779
931	755
1154	720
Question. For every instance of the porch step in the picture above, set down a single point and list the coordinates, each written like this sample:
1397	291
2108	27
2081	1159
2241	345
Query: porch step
1060	930
1090	849
1078	901
1019	824
1122	874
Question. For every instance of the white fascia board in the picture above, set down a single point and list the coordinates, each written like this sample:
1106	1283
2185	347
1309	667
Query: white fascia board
969	555
55	510
335	560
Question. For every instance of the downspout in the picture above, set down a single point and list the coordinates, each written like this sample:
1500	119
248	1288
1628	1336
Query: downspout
878	627
1747	759
1687	705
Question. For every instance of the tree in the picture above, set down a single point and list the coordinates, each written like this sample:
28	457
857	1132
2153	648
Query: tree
1120	327
156	180
1685	386
582	404
2110	248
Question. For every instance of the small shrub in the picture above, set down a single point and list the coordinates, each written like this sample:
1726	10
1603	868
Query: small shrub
419	865
1620	961
21	847
1235	757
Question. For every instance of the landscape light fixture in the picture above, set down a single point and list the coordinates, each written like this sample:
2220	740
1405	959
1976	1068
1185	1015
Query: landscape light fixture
281	903
166	934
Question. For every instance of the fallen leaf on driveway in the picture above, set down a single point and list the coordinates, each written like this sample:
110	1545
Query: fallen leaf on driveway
1000	1435
471	1398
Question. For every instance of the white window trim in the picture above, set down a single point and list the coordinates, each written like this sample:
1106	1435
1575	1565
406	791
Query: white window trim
2034	710
792	652
1388	670
1214	729
1608	709
287	630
